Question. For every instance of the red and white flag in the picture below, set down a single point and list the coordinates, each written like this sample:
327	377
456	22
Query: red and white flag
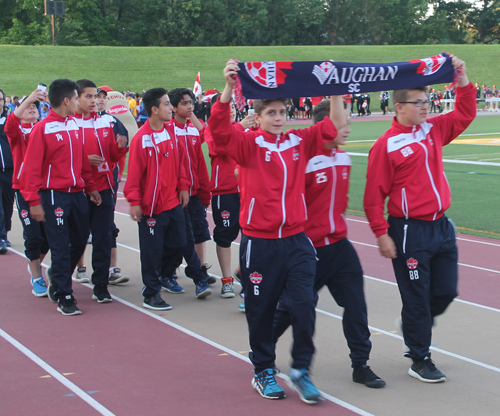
207	97
197	86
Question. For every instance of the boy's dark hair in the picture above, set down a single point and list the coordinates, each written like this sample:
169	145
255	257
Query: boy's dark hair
84	83
61	89
399	96
215	98
322	110
177	94
260	105
152	98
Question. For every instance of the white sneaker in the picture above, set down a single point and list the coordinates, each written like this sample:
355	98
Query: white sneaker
116	277
227	290
80	275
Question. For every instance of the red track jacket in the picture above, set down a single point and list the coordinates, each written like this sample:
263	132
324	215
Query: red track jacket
55	159
406	165
272	179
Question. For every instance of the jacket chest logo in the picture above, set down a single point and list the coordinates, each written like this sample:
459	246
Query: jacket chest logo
59	137
296	155
345	173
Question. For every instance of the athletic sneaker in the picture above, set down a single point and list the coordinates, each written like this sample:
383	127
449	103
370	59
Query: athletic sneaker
301	382
52	289
241	307
115	276
80	275
426	371
8	243
227	290
266	385
39	287
67	306
101	294
363	374
156	303
203	290
171	285
210	279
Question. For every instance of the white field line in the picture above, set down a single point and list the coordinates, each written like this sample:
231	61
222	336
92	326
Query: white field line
58	376
460	162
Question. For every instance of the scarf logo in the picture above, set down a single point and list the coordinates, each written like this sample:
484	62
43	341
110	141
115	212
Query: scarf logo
429	66
323	71
268	74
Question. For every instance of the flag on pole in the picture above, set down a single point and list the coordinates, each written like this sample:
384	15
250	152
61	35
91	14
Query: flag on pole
197	86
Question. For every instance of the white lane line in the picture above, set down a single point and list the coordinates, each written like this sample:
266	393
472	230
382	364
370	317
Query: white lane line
451	354
461	162
58	376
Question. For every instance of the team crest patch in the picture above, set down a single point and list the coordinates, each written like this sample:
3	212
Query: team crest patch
412	263
256	278
194	141
24	214
59	212
296	155
225	215
151	222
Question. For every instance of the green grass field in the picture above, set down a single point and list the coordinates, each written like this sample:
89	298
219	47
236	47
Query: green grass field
474	188
143	68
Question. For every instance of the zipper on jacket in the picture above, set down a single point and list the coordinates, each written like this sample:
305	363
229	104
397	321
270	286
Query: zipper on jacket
189	159
431	179
332	200
285	174
250	210
249	251
405	230
20	169
157	173
48	176
404	203
71	151
305	205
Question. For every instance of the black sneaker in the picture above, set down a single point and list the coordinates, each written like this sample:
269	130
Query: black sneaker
52	288
156	303
101	294
426	371
208	277
67	306
363	374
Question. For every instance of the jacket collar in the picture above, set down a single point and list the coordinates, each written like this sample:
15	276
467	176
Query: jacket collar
399	128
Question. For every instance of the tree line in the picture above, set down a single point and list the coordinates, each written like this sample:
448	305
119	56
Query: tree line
252	22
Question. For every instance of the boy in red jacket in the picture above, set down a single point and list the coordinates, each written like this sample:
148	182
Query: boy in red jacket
18	129
56	170
103	152
157	190
276	257
406	166
338	267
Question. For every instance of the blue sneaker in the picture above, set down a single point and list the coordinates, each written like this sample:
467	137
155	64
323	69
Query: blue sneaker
266	385
301	382
203	290
3	247
170	285
241	307
39	287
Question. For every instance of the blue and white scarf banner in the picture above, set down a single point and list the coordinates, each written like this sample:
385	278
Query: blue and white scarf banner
267	80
